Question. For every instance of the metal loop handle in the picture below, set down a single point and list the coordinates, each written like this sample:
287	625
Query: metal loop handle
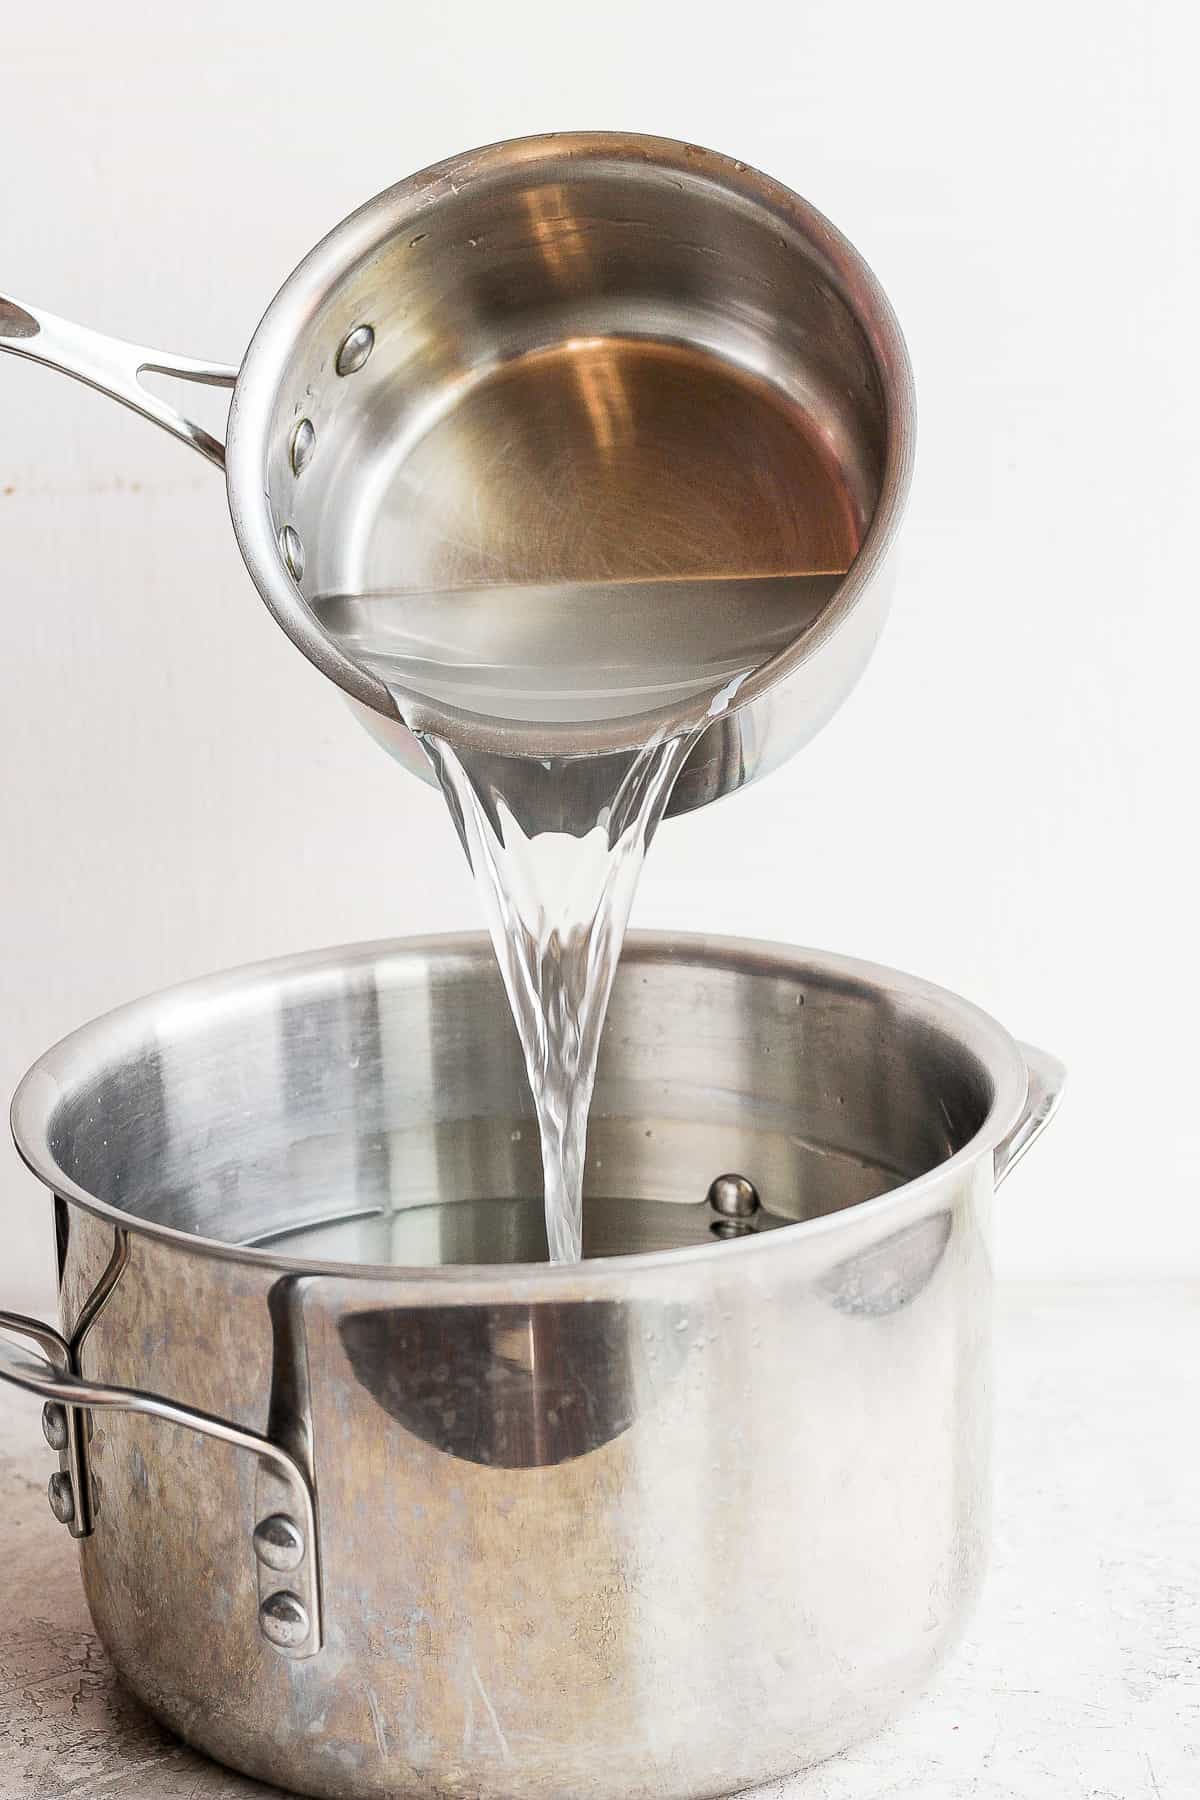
1047	1079
114	367
53	1346
286	1540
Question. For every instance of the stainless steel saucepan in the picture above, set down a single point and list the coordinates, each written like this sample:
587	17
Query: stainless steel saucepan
583	358
370	1502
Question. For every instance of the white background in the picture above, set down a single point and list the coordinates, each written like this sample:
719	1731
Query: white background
1005	805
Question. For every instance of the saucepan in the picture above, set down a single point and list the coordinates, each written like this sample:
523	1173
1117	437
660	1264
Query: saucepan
371	1500
588	358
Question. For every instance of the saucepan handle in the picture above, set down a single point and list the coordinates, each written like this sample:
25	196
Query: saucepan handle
113	366
1047	1078
285	1540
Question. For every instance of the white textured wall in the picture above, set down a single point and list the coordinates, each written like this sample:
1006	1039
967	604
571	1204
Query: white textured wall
1007	803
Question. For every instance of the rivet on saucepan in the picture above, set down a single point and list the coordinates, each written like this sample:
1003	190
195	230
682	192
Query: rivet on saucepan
54	1425
354	350
279	1542
304	442
61	1496
736	1201
293	551
284	1620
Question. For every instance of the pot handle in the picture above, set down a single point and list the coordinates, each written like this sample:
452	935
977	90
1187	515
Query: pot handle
1047	1079
285	1541
114	367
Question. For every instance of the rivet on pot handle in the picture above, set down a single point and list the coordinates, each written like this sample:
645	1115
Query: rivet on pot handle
1047	1078
113	366
285	1543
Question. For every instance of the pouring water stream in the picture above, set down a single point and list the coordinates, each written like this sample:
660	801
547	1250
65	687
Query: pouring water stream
556	846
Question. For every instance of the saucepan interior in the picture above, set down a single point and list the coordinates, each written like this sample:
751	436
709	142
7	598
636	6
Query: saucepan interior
571	359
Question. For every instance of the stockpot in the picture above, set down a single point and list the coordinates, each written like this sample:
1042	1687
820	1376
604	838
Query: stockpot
591	357
372	1502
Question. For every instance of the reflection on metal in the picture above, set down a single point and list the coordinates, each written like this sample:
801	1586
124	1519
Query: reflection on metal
61	1496
890	1274
354	350
54	1425
510	1387
735	1201
285	1622
304	442
279	1543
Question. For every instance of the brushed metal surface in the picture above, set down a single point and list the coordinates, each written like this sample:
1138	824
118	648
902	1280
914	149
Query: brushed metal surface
1078	1678
544	1494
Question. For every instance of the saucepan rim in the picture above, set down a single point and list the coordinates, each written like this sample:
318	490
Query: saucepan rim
289	317
65	1065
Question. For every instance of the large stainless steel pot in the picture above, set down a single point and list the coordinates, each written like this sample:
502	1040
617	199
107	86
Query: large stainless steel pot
666	1523
588	357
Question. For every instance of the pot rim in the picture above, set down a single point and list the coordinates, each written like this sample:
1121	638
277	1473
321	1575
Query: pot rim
397	209
61	1067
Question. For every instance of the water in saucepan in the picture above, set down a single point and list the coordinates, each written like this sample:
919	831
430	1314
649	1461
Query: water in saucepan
556	845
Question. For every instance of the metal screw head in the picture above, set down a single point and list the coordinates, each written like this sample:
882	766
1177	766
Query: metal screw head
292	551
734	1197
354	350
54	1425
304	442
284	1620
61	1496
279	1542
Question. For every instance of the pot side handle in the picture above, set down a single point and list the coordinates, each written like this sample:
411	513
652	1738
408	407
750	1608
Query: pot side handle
285	1542
1047	1079
114	367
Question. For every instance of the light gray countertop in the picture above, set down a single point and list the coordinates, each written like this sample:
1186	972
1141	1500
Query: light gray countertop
1079	1680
